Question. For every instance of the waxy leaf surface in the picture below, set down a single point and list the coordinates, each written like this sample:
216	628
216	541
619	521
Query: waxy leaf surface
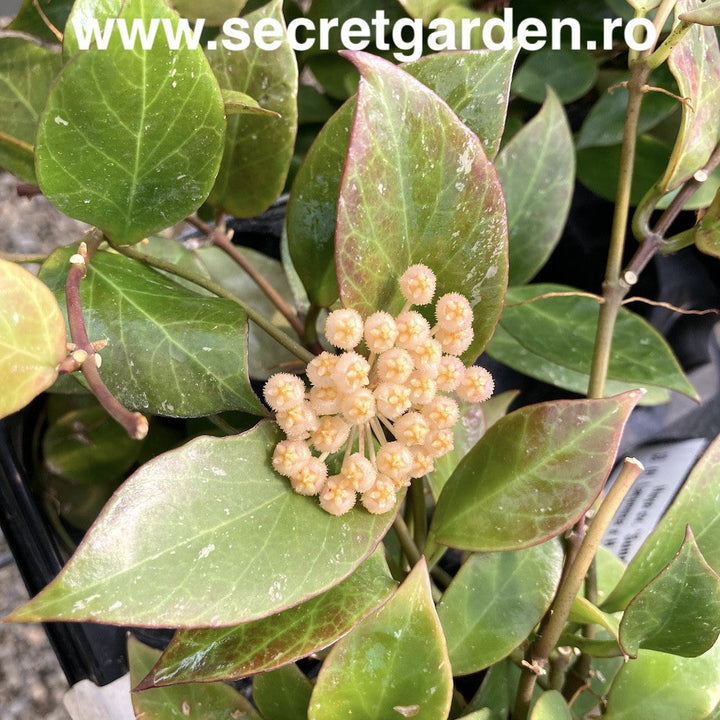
26	72
707	231
207	535
661	685
194	701
258	148
213	12
532	474
394	663
697	505
32	337
474	84
131	141
495	601
283	694
533	338
570	73
695	63
537	173
82	17
171	351
426	10
679	611
235	652
708	14
30	20
417	188
551	705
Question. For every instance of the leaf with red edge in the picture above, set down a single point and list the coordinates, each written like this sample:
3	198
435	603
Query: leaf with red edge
208	535
230	653
418	188
32	337
695	63
532	475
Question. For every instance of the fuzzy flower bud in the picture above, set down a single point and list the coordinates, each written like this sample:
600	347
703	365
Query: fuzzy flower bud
380	498
453	312
351	372
423	462
427	353
325	399
455	342
422	389
344	328
358	472
320	369
450	371
331	434
411	429
442	411
440	442
412	328
298	421
396	461
283	391
417	284
310	478
358	407
380	332
395	366
477	385
392	399
289	456
336	497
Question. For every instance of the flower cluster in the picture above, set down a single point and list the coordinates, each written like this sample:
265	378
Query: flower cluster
392	411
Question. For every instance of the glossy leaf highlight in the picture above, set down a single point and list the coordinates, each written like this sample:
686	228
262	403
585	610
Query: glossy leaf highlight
394	663
32	337
532	474
206	535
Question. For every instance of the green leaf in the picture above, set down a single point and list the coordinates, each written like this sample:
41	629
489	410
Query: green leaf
26	72
584	612
660	685
532	338
234	652
32	337
495	601
282	694
498	689
476	85
471	83
531	475
136	150
537	173
87	446
696	505
84	14
707	231
551	705
695	63
417	188
258	148
265	355
207	535
195	701
424	9
570	73
30	20
171	351
394	663
213	12
708	14
605	123
598	168
240	103
679	611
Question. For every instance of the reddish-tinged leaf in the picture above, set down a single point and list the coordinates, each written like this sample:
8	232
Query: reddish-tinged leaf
532	475
417	188
695	63
32	337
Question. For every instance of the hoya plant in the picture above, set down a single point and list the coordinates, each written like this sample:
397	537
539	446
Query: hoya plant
292	458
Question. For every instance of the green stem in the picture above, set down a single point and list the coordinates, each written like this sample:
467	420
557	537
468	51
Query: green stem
537	656
419	511
661	54
287	342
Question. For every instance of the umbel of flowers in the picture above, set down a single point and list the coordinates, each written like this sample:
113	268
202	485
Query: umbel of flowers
392	411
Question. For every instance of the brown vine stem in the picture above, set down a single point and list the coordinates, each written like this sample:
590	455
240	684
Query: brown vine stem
221	240
537	657
285	340
134	423
30	259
